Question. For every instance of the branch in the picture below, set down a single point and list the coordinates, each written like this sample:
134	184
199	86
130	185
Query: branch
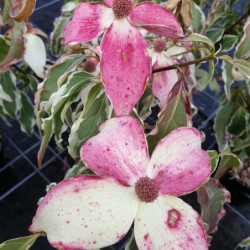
176	66
229	29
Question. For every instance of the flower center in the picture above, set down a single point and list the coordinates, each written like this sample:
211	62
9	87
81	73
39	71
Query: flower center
160	45
122	8
89	66
146	189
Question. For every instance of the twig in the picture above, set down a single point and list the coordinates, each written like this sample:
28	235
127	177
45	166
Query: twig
176	66
229	29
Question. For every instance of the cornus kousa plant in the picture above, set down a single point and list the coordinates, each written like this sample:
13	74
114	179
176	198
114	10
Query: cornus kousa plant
88	212
119	94
125	60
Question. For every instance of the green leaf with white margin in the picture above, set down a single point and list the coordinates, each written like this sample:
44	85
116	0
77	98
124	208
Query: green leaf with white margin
4	48
63	66
217	19
198	38
204	77
56	46
78	169
27	118
219	7
18	105
177	114
4	95
215	34
35	53
214	159
227	78
201	76
69	6
243	48
87	124
50	186
47	128
61	100
227	162
3	115
145	103
22	243
212	196
228	42
57	108
237	75
77	111
238	124
222	120
244	243
242	65
33	83
214	86
198	18
92	95
16	49
242	144
6	11
8	83
131	244
231	3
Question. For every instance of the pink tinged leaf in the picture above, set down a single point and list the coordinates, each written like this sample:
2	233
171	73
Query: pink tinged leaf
89	21
86	212
21	9
163	82
178	164
16	49
125	66
156	19
212	197
119	150
175	226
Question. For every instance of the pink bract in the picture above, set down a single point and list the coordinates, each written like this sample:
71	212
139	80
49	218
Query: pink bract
125	61
89	212
163	82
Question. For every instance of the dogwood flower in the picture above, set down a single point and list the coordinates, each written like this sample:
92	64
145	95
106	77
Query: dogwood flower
89	212
125	62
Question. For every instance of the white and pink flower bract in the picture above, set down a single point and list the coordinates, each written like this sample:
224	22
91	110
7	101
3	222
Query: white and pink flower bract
162	82
89	212
125	62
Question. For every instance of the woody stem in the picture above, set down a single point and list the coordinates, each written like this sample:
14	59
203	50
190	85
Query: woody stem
176	66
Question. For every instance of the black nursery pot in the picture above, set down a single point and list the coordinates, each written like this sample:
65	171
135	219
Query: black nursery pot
1	149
